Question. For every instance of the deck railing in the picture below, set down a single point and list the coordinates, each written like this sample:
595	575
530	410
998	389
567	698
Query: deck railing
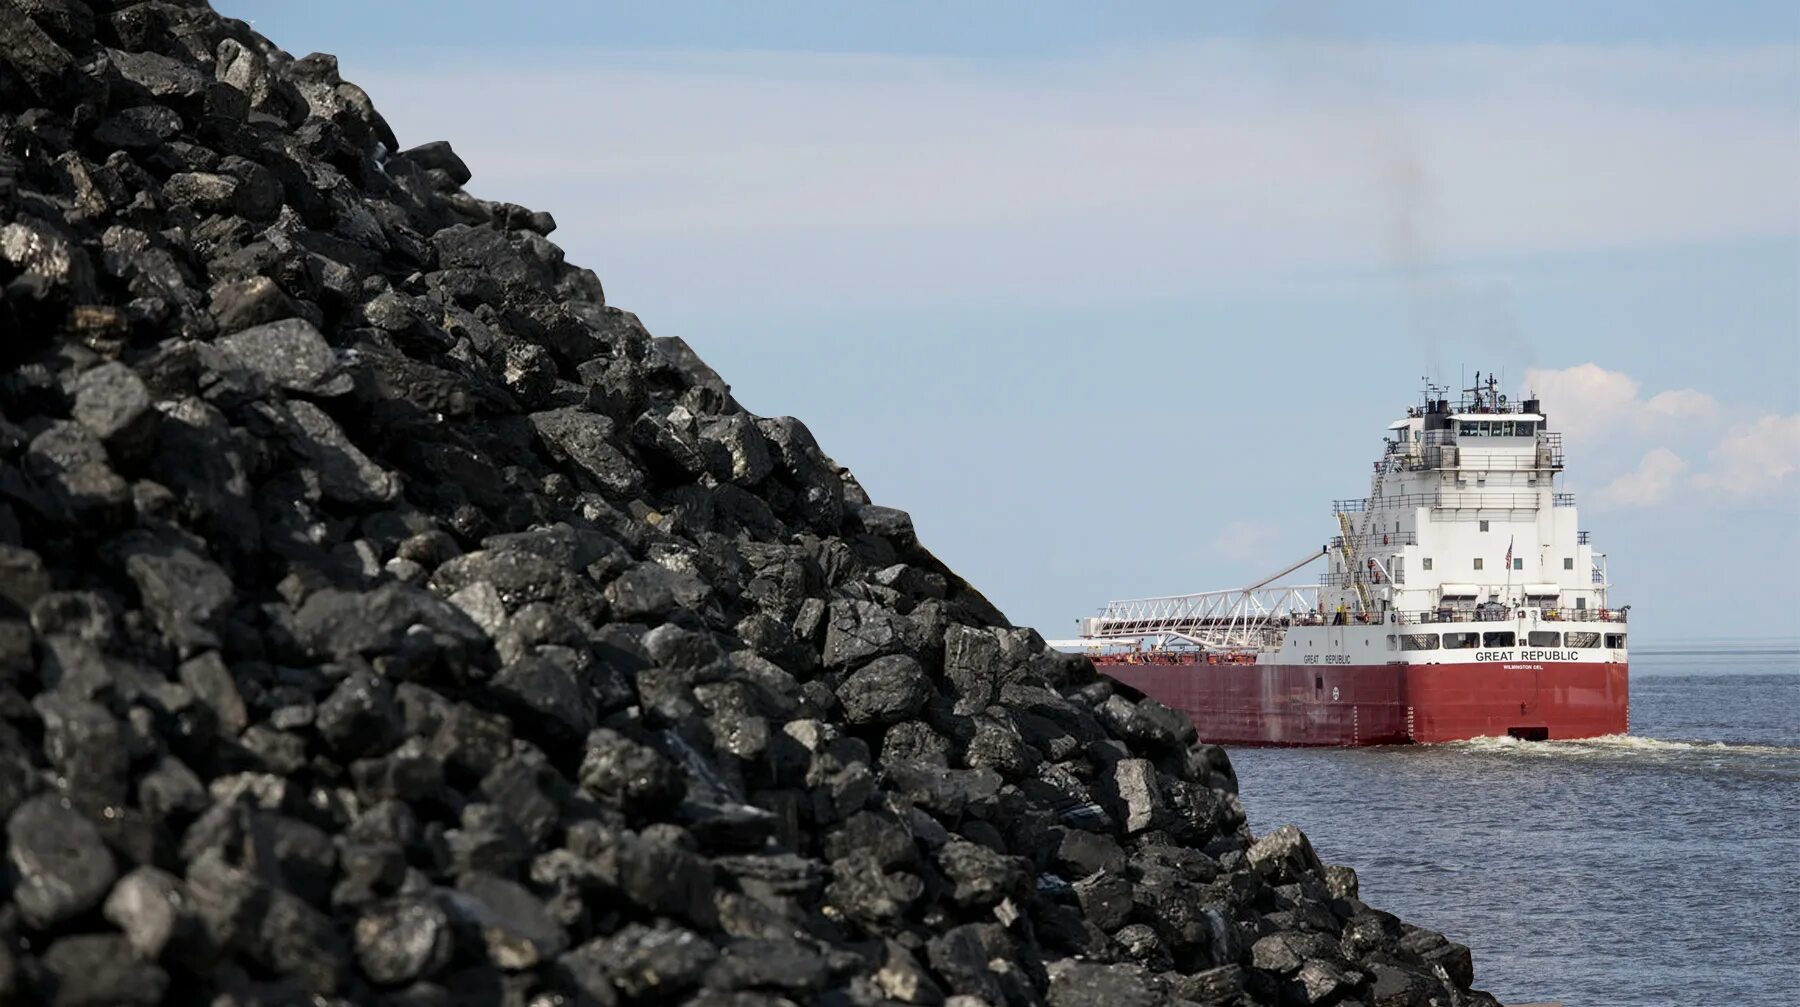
1455	500
1509	614
1376	540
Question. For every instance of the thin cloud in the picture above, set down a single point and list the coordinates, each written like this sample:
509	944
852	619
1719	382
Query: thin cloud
1657	474
1589	403
1756	460
771	177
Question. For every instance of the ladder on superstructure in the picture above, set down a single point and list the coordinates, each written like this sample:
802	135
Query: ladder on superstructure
1353	572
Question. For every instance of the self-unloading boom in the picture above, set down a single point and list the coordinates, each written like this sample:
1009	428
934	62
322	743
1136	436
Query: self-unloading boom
1234	620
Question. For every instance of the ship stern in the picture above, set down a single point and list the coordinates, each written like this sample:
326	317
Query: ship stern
1530	700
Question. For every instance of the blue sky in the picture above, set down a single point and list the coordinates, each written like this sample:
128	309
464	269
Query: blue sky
1116	299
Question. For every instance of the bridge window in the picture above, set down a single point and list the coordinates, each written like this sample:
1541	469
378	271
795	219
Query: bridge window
1504	639
1478	558
1581	639
1541	638
1615	640
1462	641
1425	564
1568	562
1419	641
1484	526
1518	562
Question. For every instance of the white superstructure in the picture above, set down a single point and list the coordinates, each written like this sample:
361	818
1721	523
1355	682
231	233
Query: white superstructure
1463	512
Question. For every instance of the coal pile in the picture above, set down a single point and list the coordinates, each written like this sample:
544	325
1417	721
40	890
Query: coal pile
385	618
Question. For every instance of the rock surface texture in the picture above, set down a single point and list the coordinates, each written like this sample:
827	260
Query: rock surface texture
384	618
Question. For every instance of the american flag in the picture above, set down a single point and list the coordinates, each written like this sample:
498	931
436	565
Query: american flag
1509	545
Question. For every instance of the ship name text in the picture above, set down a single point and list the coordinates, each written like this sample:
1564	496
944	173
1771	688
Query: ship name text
1527	655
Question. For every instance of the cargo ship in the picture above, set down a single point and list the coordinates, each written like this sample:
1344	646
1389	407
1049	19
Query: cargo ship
1461	599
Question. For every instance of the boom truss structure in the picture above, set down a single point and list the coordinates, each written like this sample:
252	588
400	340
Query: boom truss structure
1225	621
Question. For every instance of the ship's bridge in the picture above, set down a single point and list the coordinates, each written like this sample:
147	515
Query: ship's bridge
1463	514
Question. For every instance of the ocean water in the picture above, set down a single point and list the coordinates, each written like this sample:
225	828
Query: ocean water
1659	868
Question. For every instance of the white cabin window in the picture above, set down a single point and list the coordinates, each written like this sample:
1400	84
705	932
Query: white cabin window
1568	562
1581	602
1484	526
1425	564
1478	562
1518	563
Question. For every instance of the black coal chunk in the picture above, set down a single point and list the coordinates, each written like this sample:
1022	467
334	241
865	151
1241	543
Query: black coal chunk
360	716
887	690
629	775
290	355
61	865
84	969
403	941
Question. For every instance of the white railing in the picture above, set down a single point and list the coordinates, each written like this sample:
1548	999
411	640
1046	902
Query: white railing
1456	500
1213	620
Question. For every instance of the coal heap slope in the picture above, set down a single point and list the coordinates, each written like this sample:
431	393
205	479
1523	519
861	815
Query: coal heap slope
385	618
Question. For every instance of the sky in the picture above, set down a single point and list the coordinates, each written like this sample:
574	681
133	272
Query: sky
1115	299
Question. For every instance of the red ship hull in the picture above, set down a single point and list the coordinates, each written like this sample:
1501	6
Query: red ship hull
1386	704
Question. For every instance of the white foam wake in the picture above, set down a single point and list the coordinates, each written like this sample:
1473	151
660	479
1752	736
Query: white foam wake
1622	743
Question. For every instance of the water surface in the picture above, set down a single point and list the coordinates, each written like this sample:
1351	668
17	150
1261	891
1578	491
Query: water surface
1659	868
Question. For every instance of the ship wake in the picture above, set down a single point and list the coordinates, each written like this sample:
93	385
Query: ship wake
1621	744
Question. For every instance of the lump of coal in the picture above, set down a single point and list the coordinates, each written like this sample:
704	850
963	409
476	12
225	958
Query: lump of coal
62	867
